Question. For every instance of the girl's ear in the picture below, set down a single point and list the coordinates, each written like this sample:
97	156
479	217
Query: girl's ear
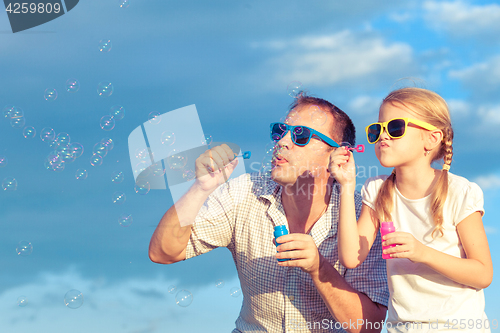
434	139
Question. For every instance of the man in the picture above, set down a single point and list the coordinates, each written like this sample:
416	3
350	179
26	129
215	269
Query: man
311	292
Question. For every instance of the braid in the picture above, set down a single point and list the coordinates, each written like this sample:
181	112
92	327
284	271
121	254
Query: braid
448	148
440	192
385	197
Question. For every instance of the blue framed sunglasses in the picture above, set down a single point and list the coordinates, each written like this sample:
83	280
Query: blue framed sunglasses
301	135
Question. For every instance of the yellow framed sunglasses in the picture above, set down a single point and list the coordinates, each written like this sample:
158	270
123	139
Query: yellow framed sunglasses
396	128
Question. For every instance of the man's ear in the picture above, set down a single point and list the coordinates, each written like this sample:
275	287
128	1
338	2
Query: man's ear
434	139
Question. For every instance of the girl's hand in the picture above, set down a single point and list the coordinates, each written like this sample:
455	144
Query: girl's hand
406	246
342	167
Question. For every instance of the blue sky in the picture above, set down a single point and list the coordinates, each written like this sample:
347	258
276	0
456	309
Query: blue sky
233	60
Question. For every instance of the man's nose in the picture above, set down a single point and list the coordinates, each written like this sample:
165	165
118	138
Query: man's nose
286	140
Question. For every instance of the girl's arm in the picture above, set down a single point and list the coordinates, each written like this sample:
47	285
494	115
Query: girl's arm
354	239
476	270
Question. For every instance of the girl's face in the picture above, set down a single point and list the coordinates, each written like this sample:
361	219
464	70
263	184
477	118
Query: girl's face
404	151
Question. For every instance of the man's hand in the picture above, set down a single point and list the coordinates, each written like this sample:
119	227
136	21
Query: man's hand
301	249
214	167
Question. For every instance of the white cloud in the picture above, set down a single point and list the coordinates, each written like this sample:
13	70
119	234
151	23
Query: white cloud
400	17
133	305
458	108
342	57
365	104
490	114
488	182
462	19
483	79
488	71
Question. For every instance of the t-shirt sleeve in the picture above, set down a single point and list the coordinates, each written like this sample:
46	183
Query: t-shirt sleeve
370	277
214	224
473	201
370	189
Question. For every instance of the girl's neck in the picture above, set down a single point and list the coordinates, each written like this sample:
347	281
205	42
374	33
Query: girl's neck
416	182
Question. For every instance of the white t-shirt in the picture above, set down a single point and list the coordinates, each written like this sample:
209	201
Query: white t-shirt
418	293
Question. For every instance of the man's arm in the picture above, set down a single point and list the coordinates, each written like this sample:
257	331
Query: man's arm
169	241
348	306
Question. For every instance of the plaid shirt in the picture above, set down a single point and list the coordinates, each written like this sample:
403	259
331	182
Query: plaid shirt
241	215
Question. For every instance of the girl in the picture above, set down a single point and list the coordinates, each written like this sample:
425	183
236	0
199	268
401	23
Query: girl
441	260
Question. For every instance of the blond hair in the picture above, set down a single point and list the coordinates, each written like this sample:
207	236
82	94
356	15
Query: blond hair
431	108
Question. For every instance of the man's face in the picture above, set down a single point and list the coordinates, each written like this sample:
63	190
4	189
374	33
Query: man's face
291	161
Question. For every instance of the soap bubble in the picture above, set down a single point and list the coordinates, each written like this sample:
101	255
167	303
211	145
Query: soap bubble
219	283
118	198
117	112
108	143
183	298
292	117
63	138
18	122
104	89
141	154
54	162
53	144
105	45
3	161
317	170
95	160
142	168
318	116
8	111
154	117
24	248
9	184
50	94
107	123
16	112
81	174
58	167
142	187
47	134
73	299
72	85
206	140
117	177
65	153
22	301
294	89
125	220
124	3
157	169
188	174
167	138
77	149
319	150
29	132
171	289
235	292
100	149
176	160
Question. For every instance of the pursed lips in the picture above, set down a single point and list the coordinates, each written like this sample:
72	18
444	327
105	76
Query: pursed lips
279	160
383	145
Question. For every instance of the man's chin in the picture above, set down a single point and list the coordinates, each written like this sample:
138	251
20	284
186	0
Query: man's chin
280	177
